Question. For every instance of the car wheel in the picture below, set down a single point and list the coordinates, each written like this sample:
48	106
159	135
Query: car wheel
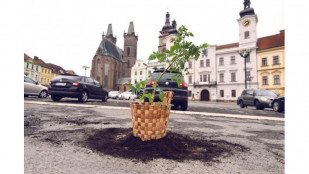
184	106
25	95
257	105
129	98
83	97
43	94
55	98
104	98
277	107
241	104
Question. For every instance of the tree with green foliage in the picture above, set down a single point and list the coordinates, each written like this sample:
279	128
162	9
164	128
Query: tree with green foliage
176	57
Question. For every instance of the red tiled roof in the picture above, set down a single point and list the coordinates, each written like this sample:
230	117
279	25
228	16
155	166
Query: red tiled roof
70	72
26	57
227	46
41	62
271	41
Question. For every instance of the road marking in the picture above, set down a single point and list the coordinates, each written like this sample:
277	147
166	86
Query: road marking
175	112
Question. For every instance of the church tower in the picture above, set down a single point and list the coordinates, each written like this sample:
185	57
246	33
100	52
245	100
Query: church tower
109	34
247	26
129	50
167	30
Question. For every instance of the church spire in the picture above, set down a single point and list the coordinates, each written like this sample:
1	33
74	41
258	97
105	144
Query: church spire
131	28
167	20
109	30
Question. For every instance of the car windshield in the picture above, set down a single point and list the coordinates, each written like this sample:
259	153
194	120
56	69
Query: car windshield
166	76
67	77
265	93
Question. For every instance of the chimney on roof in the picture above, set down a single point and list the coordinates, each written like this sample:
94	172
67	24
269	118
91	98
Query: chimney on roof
36	58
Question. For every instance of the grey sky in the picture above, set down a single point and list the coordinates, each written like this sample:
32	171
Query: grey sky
68	32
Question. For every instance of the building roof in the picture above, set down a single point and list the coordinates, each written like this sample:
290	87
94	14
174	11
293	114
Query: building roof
41	62
109	30
56	68
70	72
110	49
131	28
231	45
273	41
124	80
26	57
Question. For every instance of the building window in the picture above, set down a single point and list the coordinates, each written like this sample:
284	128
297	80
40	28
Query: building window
106	74
190	65
128	51
233	76
190	79
27	65
36	77
233	61
221	77
264	61
141	73
221	61
248	74
124	88
201	78
37	68
205	53
201	63
221	93
275	60
41	80
276	80
265	81
207	62
204	78
32	66
140	80
247	35
233	93
190	93
136	73
99	68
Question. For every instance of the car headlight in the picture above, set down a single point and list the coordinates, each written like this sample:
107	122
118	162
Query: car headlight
264	99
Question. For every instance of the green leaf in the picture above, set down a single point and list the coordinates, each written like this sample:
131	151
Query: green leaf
161	96
179	80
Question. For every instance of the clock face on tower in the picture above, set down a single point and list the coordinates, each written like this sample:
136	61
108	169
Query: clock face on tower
246	23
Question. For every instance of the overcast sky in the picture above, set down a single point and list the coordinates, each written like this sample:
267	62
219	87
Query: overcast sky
67	33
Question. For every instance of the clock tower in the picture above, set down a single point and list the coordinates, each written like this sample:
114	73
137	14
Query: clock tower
247	26
166	32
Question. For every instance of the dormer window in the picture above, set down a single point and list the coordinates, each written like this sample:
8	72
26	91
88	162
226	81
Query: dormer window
247	35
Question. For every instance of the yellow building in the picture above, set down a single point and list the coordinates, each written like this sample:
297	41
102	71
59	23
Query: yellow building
56	70
271	63
46	72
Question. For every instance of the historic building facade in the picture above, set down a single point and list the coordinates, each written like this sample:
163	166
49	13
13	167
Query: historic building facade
111	65
271	64
46	72
31	68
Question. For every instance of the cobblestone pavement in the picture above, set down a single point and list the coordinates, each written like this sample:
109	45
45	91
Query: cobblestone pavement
196	106
55	142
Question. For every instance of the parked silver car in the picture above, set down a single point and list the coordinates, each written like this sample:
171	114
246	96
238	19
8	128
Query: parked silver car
260	98
127	96
32	87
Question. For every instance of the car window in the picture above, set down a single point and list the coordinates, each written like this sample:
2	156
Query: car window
67	77
249	92
26	79
265	93
89	80
97	83
244	93
166	76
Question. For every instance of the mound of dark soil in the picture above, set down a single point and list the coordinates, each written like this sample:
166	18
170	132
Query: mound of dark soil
121	143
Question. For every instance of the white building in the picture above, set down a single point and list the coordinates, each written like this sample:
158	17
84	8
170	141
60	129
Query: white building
219	73
138	72
31	69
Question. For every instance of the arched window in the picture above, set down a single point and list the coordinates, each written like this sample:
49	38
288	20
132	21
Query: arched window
247	35
98	69
128	51
106	73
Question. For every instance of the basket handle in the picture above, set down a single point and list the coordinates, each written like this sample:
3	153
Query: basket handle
168	97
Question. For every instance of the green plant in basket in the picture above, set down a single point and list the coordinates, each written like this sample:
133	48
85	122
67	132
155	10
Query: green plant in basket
175	58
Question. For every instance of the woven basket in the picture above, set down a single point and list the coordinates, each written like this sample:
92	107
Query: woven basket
150	121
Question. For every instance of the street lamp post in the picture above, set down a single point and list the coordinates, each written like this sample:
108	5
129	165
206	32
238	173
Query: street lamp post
245	53
85	67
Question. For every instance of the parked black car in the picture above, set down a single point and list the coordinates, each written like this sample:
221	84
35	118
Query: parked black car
166	84
259	98
74	86
278	104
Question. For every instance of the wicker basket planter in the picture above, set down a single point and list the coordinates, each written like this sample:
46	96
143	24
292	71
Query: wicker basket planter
149	120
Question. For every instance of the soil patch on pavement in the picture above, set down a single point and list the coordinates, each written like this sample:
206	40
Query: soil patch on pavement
120	142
